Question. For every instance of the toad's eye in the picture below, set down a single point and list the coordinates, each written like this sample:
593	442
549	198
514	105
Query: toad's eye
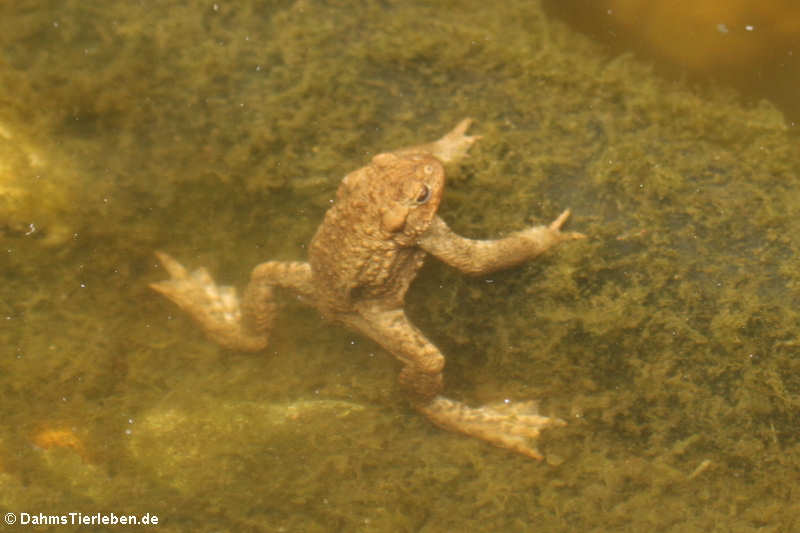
424	195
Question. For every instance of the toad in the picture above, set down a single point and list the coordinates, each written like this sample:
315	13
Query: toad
361	261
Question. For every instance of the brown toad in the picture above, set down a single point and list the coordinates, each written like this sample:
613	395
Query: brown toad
361	261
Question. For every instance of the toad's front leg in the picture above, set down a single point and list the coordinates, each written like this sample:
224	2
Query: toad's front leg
217	309
451	147
512	426
475	256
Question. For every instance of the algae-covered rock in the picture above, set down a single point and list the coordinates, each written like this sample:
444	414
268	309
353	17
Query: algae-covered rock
37	187
209	445
210	450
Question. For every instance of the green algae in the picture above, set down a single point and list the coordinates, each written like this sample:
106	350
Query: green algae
667	339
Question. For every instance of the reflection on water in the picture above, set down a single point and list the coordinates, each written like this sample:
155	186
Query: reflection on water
752	44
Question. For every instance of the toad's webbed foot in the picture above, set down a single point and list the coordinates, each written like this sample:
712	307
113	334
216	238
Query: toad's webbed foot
512	426
215	308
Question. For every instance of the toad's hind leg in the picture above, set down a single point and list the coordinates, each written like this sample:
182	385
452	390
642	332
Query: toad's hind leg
509	425
513	426
217	309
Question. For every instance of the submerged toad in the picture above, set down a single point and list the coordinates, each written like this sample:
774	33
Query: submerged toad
361	261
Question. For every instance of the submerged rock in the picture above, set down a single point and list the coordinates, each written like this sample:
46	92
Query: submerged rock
215	444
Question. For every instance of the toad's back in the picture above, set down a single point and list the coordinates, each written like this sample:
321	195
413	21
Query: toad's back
365	248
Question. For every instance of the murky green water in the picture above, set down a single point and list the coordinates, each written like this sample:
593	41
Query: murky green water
219	132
